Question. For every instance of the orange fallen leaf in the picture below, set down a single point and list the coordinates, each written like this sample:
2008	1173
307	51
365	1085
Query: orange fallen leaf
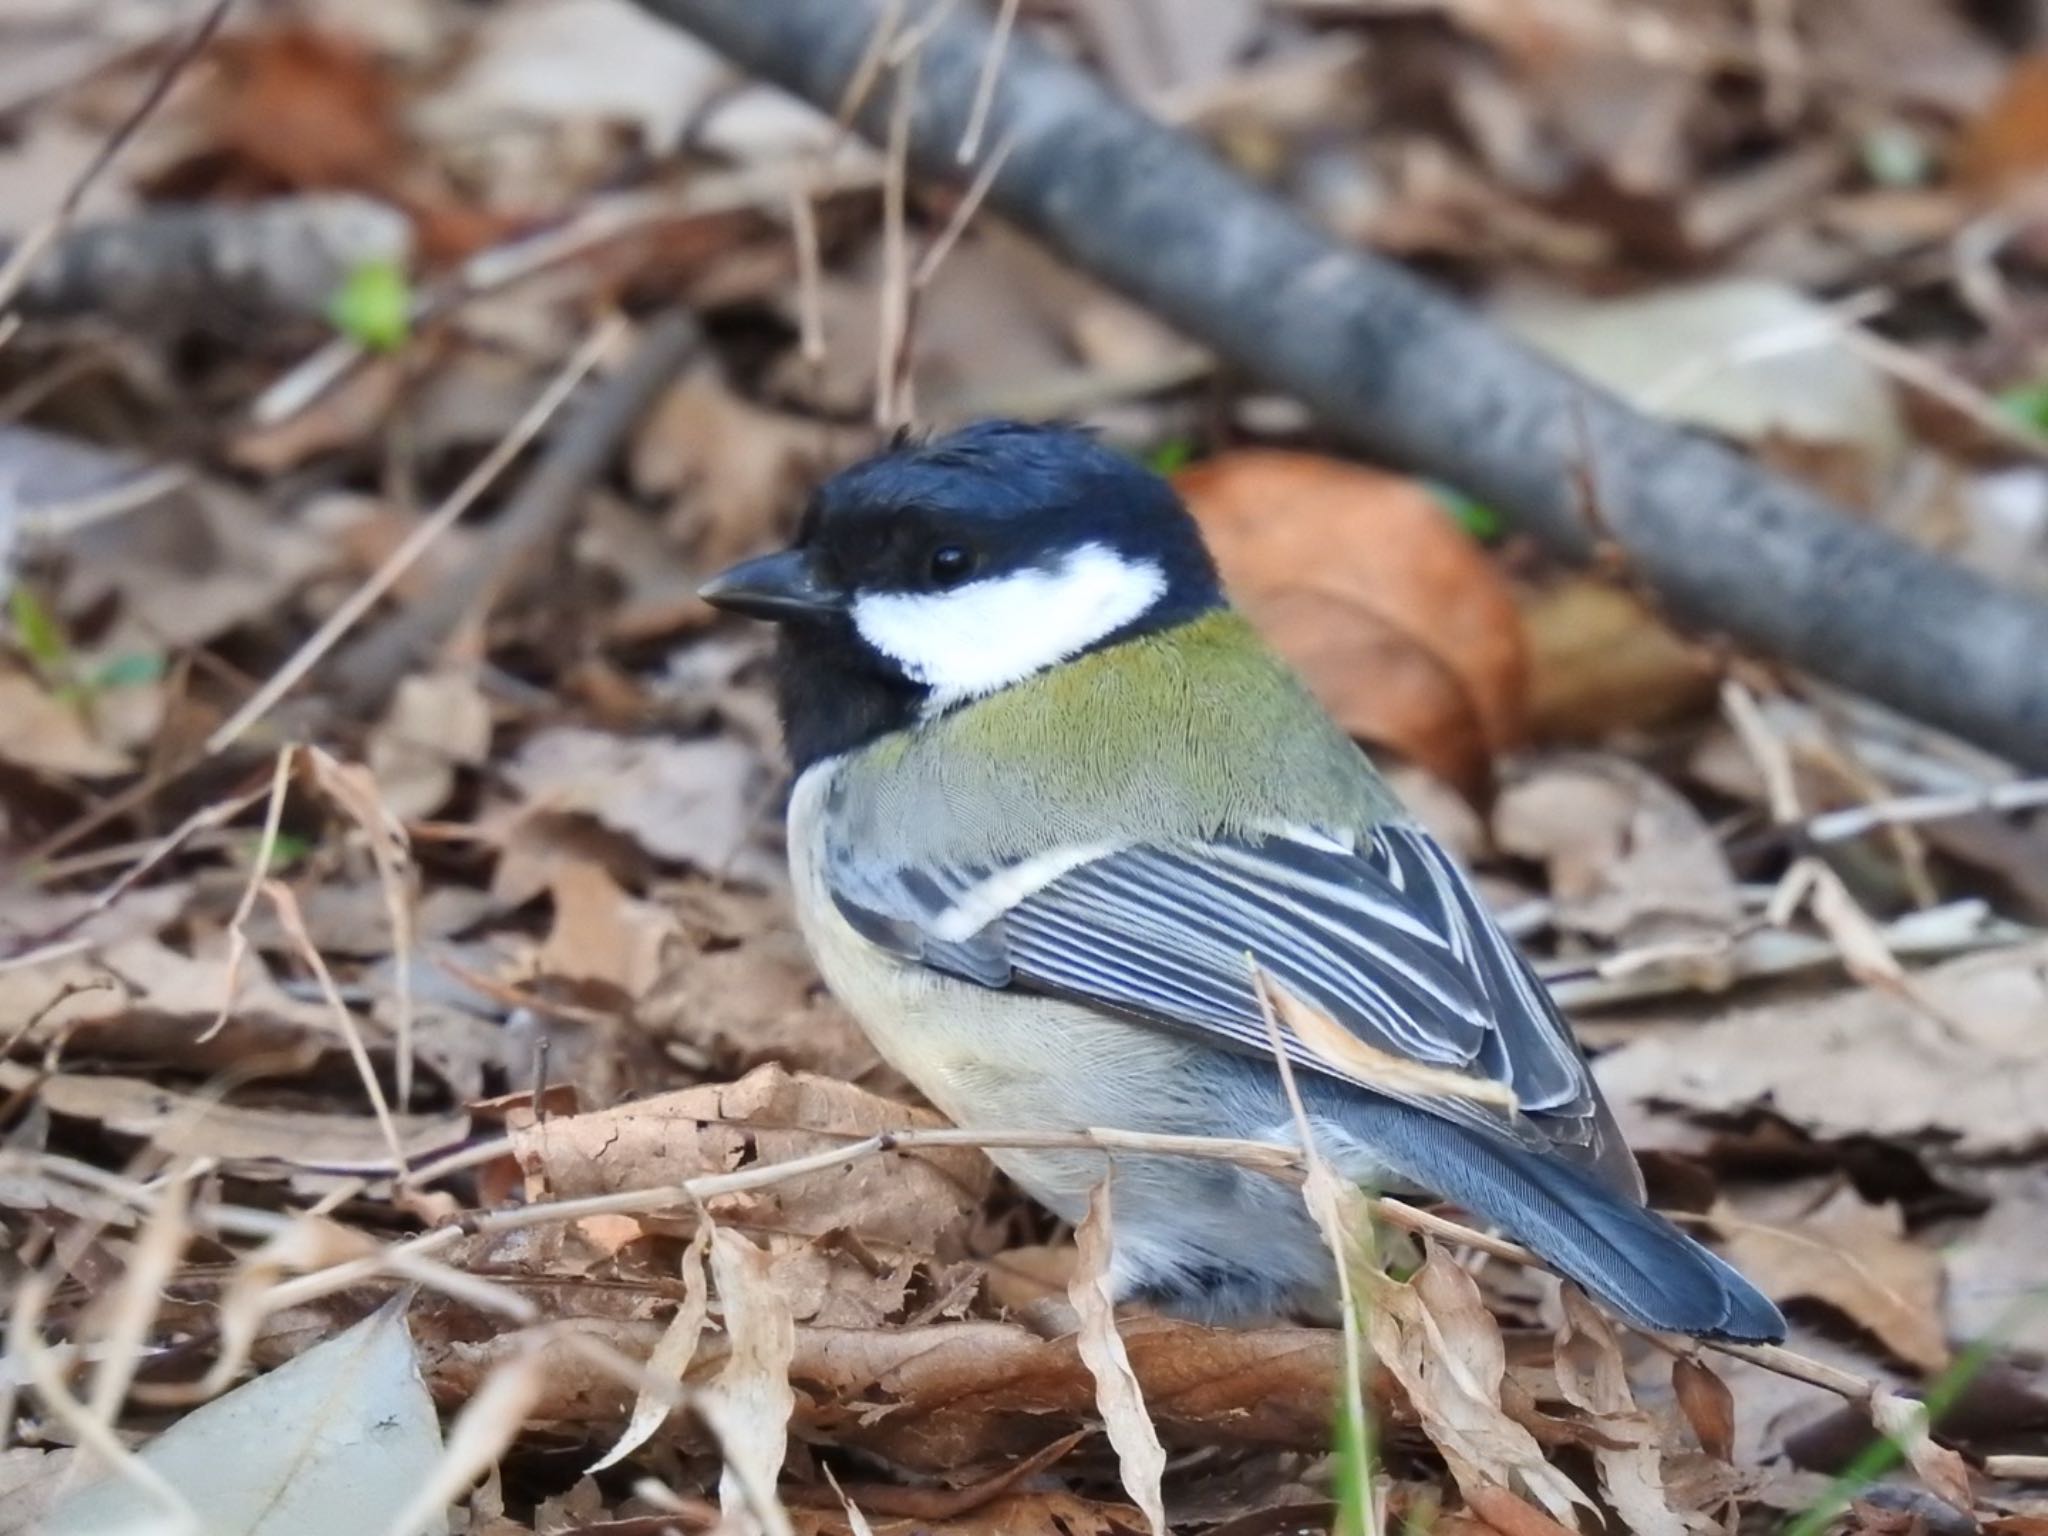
2009	143
1400	623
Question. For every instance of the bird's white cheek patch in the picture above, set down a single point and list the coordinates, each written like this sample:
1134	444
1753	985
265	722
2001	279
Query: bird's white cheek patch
991	633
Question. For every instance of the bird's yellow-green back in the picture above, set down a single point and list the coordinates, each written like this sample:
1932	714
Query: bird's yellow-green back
1188	732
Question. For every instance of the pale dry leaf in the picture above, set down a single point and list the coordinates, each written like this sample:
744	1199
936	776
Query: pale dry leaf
672	1354
1745	357
1404	628
47	735
437	722
329	1444
1442	1344
602	934
751	1403
1141	1459
1864	1062
1593	1376
924	1201
1851	1254
1629	859
1903	1420
690	802
31	1481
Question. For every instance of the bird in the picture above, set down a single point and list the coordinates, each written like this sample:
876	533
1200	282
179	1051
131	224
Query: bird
1059	816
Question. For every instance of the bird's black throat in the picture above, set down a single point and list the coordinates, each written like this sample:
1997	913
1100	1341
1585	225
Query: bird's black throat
834	694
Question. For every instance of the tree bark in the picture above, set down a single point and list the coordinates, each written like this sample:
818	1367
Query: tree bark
1409	376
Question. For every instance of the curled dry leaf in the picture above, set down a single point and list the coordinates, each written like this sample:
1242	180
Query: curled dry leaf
922	1201
1593	1376
1399	622
1869	1062
750	1404
1628	857
1706	1402
1438	1338
672	1354
1852	1255
1140	1458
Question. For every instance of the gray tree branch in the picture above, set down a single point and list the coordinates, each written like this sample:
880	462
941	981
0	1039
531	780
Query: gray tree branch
1410	377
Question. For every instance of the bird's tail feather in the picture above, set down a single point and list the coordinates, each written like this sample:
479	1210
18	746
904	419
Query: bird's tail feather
1636	1262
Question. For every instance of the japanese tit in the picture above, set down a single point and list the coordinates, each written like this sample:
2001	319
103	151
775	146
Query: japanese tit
1054	797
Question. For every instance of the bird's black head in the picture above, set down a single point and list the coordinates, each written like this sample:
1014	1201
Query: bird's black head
941	571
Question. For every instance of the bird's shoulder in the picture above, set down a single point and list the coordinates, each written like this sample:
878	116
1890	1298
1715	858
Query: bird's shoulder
1179	734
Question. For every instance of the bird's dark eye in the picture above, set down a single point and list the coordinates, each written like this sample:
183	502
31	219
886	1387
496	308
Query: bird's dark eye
949	565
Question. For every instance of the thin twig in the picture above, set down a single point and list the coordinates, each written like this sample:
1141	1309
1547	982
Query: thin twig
985	88
402	559
294	924
892	342
969	205
1908	810
259	872
15	271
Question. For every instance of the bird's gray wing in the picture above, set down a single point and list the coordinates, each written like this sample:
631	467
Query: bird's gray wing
1389	940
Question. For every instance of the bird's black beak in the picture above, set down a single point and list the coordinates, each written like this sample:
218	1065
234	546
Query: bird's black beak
776	587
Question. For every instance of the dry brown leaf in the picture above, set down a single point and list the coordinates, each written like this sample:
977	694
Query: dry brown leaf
1593	1376
922	1202
1628	857
45	734
736	472
1401	624
1047	1513
437	722
1706	1402
1855	1257
257	1142
742	990
1438	1338
691	802
1141	1459
941	1396
602	934
1866	1062
2009	142
750	1405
